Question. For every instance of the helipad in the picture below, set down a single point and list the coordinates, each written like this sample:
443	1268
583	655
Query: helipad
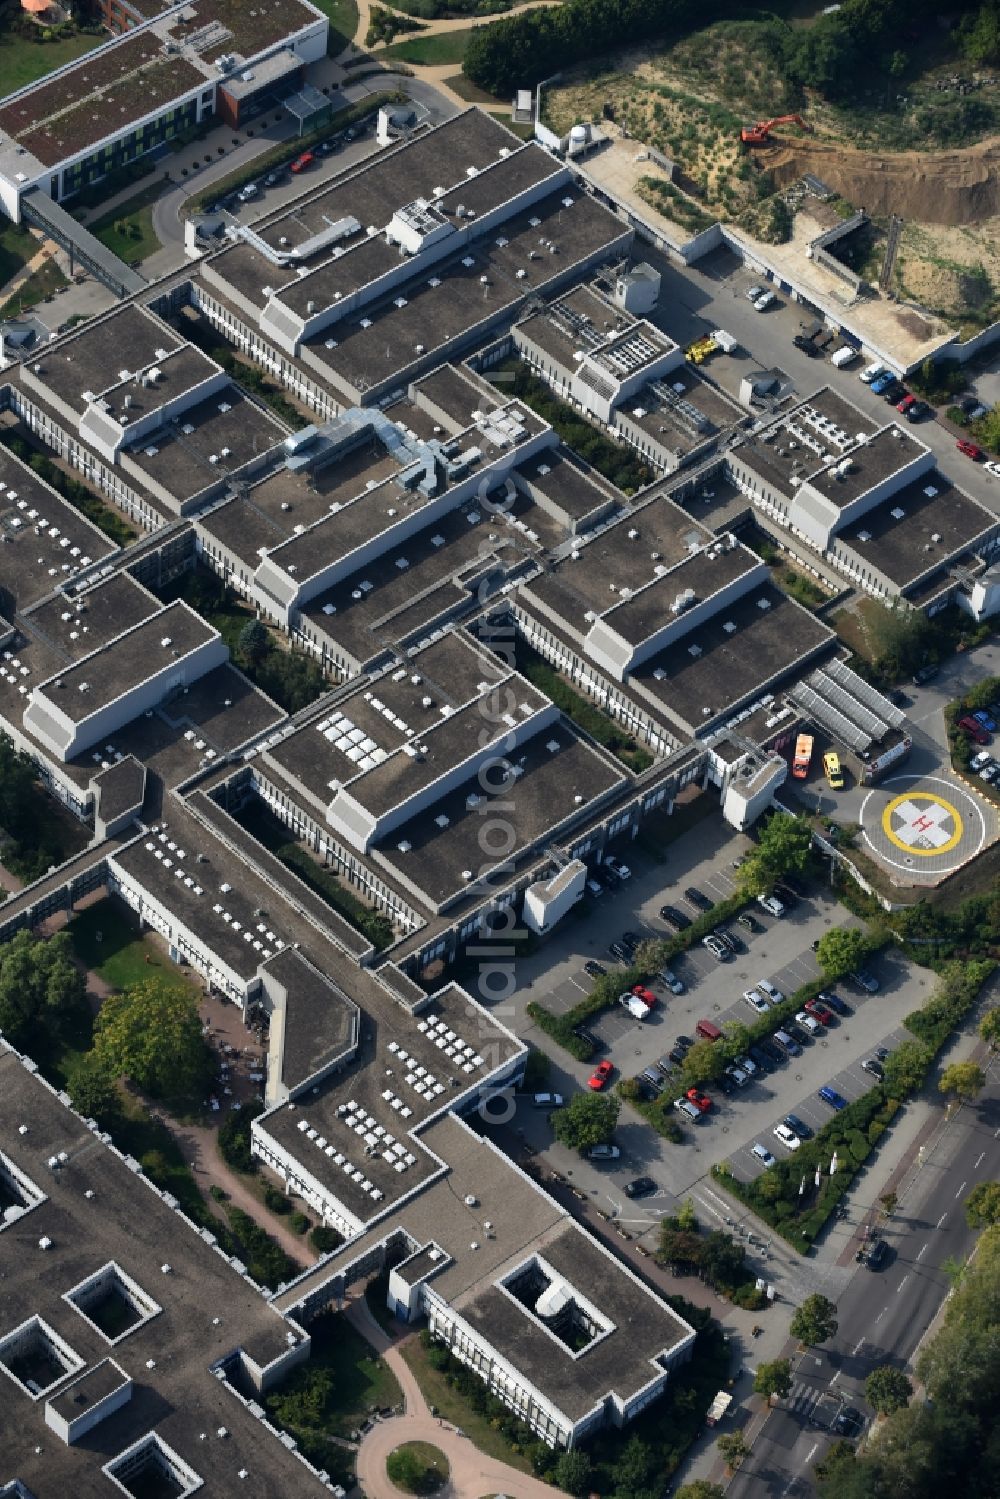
923	827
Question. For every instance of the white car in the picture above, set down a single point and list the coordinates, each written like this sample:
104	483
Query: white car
872	373
809	1022
979	760
762	1154
992	467
786	1136
754	294
747	1065
634	1005
737	1074
764	302
756	1001
772	905
766	987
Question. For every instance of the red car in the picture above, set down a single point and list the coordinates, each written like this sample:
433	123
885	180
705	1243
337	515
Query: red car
600	1076
701	1101
823	1015
970	449
646	995
905	404
974	730
301	162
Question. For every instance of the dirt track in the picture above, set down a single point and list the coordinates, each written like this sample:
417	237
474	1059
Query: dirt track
935	187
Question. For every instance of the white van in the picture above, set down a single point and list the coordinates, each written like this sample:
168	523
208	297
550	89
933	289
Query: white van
871	372
843	356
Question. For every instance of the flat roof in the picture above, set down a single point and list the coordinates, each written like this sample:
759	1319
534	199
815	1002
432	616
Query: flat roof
78	624
101	353
706	572
46	540
558	775
696	689
921	525
209	440
97	1213
672	425
872	462
574	323
458	393
560	479
320	1022
794	444
128	660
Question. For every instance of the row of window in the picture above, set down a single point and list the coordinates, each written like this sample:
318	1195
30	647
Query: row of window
117	153
85	462
288	372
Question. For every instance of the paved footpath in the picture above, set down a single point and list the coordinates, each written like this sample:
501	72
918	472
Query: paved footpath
472	1473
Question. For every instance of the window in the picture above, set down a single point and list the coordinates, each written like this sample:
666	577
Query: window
36	1358
112	1302
149	1466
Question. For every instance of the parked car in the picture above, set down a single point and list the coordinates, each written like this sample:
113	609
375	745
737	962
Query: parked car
832	770
593	1041
686	1107
673	983
796	1032
905	404
833	1098
652	1080
797	1126
817	1008
754	293
596	970
973	729
717	948
601	1076
750	922
635	1006
302	162
808	1022
772	905
872	372
773	1053
619	952
756	1001
701	1101
603	1153
835	1003
988	722
674	918
870	1065
766	301
646	995
773	994
734	943
788	1043
866	981
787	1136
617	867
992	467
761	1061
917	411
880	382
684	1043
979	759
970	449
676	1056
805	344
642	1186
547	1101
925	673
736	1075
848	1422
698	899
763	1155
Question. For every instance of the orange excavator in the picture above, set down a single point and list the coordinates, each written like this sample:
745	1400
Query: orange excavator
760	134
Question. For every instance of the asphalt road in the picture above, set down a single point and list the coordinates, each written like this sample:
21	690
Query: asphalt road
883	1315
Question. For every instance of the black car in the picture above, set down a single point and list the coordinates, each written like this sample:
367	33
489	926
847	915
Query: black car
797	1127
773	1052
674	918
917	411
797	1033
925	673
641	1187
759	1059
619	952
750	922
849	1422
877	1255
588	1036
805	344
596	970
835	1003
787	895
881	1052
684	1043
874	1067
894	392
698	899
725	1084
677	1057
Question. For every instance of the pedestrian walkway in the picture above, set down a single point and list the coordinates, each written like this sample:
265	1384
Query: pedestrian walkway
472	1473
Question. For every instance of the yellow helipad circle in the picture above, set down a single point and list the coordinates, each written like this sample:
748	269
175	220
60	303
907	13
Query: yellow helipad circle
919	825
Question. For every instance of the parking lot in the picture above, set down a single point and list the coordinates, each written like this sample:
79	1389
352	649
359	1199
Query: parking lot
781	952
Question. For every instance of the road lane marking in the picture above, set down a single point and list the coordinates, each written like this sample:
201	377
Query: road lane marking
880	1315
941	1220
979	1162
902	1283
857	1347
961	1189
812	1452
833	1381
922	1251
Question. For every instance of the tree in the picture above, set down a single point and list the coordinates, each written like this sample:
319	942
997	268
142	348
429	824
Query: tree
679	1248
42	992
572	1472
899	635
723	1260
152	1033
704	1063
989	1028
906	1068
840	950
889	1202
774	1378
887	1389
254	642
982	1206
965	1079
93	1091
782	848
686	1217
815	1320
733	1448
700	1488
588	1119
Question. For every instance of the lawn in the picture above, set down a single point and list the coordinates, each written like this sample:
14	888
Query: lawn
431	51
40	284
108	944
22	61
343	18
453	1407
129	230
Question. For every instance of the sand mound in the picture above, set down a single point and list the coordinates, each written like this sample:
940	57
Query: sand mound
935	187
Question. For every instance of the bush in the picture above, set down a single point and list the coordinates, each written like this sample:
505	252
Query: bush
276	1200
234	1137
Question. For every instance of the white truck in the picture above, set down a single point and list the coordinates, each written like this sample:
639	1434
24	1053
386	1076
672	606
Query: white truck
726	342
